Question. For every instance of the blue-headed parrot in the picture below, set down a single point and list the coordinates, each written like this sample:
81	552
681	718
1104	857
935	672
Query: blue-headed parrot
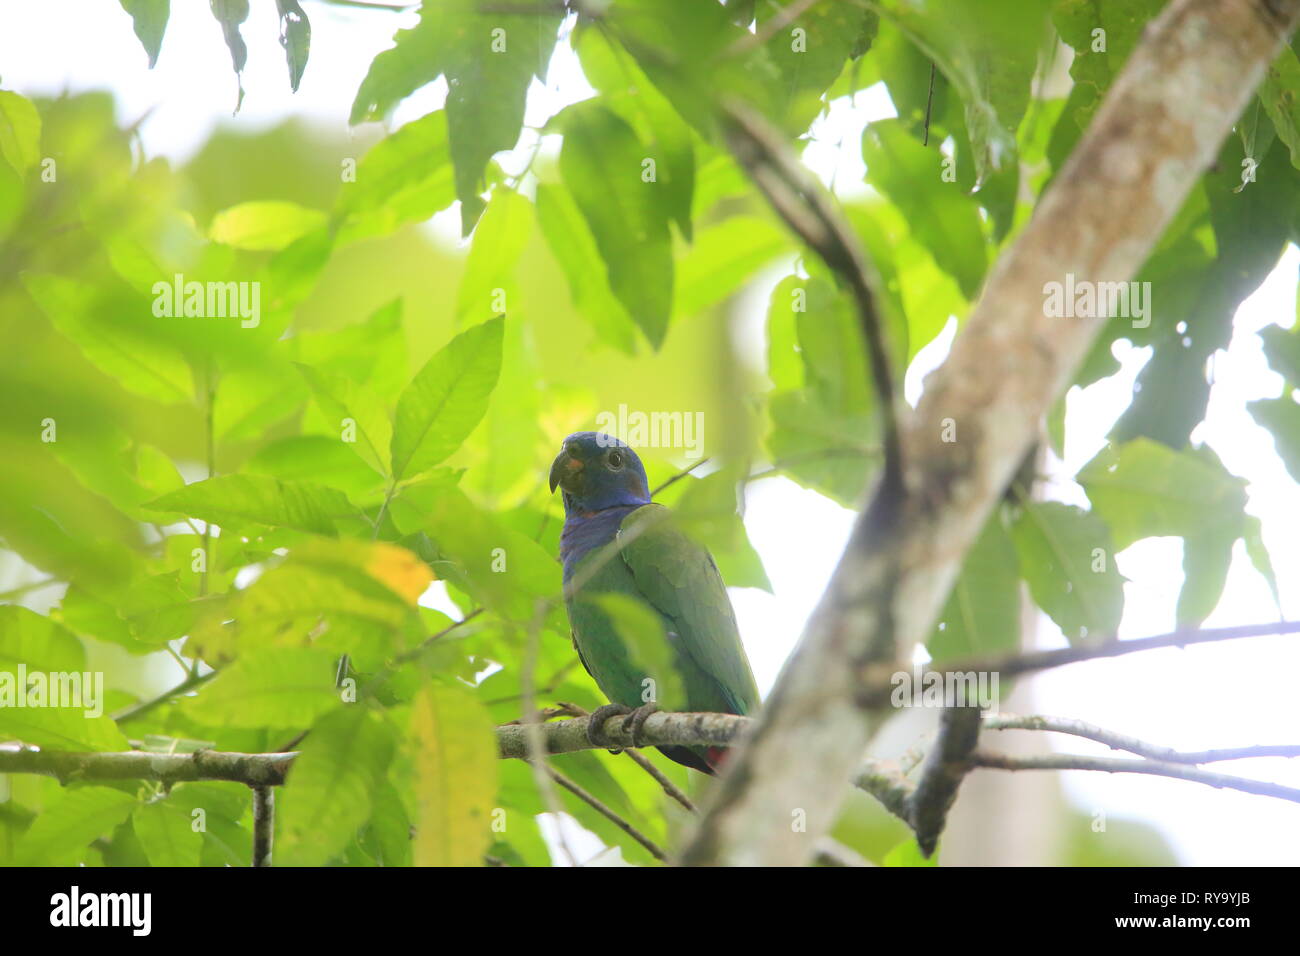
616	541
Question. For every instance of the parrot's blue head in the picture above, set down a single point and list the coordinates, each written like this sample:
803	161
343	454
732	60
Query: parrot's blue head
597	471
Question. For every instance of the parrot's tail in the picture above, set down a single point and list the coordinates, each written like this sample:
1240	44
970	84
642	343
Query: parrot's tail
697	758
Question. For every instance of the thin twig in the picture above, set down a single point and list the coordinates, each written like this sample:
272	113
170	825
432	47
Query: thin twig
1158	768
415	652
660	778
810	212
532	728
139	710
833	853
929	103
606	812
263	825
877	680
1117	741
783	17
678	477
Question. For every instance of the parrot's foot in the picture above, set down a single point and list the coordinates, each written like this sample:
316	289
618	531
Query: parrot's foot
635	721
596	725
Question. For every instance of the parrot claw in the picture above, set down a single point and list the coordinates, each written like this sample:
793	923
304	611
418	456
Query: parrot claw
596	725
635	721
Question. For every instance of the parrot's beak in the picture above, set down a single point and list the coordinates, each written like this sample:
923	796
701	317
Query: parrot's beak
564	468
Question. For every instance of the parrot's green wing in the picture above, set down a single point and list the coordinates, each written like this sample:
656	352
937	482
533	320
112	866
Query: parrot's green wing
678	577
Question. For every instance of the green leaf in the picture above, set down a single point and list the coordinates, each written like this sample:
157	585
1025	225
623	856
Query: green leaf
446	399
1098	58
1206	559
822	449
371	352
823	432
125	350
360	417
156	609
319	457
495	564
1144	489
62	728
1067	558
908	853
989	52
264	225
489	60
628	92
697	57
941	217
347	595
982	614
70	822
166	831
1278	93
810	51
499	239
406	177
387	836
53	661
230	14
1281	416
259	499
1195	315
601	163
149	17
571	242
707	512
1258	553
295	37
723	258
20	131
37	642
270	687
455	752
1282	346
331	790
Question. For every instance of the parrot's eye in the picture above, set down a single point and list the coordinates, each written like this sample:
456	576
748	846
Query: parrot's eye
615	460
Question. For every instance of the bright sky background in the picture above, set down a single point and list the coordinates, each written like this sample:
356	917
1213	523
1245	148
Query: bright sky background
1229	694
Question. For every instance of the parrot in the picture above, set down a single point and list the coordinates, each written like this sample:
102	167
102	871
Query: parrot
615	540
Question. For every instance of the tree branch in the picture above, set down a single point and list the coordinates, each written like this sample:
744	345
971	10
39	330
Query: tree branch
253	770
921	801
1117	741
263	825
1158	129
606	812
810	211
144	707
946	765
1158	768
877	680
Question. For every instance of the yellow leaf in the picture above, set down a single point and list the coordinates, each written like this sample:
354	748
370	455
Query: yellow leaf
455	777
399	570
